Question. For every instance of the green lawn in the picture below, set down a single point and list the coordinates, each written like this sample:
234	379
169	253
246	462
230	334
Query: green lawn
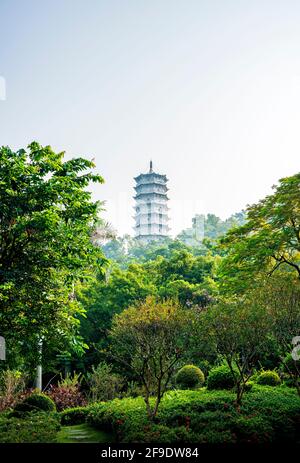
82	433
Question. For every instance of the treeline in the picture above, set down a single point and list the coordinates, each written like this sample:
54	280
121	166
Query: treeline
238	292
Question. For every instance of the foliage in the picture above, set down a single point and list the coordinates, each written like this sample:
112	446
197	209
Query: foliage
290	365
268	415
36	402
32	428
176	274
150	339
209	227
220	377
76	415
106	296
67	393
47	221
268	241
280	296
12	384
103	383
189	377
268	378
239	329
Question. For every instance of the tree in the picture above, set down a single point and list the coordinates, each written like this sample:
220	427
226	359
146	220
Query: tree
239	329
105	296
280	297
180	275
186	277
209	228
270	239
150	338
47	220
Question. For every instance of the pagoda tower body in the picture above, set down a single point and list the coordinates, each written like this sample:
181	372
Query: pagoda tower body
151	210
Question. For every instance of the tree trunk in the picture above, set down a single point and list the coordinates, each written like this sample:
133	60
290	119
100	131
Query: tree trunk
239	395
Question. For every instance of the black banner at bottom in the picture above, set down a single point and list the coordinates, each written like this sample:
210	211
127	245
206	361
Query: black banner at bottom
104	453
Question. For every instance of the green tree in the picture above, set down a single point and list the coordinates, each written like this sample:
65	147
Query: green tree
209	228
47	220
106	296
186	277
180	275
269	240
150	339
280	297
239	329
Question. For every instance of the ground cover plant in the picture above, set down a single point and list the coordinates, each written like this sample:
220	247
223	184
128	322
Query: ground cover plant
267	415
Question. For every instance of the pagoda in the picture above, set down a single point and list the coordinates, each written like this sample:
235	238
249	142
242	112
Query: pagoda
151	210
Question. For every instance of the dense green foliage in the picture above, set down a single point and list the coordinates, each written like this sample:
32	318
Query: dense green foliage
36	402
220	377
117	320
268	415
47	220
181	275
189	377
268	241
76	415
268	378
34	428
149	339
103	383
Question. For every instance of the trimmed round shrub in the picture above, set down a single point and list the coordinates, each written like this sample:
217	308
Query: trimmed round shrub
75	415
220	378
268	378
189	377
36	402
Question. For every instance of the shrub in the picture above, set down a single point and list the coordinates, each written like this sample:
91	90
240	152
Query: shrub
67	393
120	416
37	427
133	389
189	377
12	383
268	378
267	415
249	386
35	402
75	415
104	384
220	378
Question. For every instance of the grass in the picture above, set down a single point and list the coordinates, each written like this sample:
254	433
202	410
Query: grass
82	433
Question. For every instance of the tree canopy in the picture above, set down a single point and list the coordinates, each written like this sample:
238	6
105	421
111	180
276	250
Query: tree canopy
269	240
47	219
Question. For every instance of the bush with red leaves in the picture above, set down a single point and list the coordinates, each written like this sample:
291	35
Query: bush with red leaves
67	396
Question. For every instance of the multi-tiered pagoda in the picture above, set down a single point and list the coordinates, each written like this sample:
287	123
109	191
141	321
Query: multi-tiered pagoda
151	218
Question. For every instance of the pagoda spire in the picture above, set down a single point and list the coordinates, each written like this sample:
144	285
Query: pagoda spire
151	206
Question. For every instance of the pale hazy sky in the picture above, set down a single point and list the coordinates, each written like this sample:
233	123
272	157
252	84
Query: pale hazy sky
209	89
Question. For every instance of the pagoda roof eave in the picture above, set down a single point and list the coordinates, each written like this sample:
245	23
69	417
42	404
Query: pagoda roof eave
150	174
